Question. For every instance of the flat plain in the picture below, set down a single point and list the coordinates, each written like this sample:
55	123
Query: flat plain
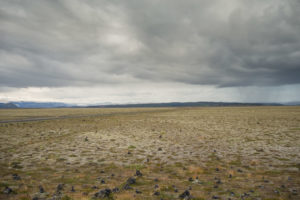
170	153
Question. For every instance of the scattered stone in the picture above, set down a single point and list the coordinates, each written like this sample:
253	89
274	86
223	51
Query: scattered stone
95	187
156	193
160	136
218	181
103	193
217	169
185	194
215	186
116	189
138	173
191	179
190	188
73	189
102	181
112	175
127	187
155	180
59	188
156	186
41	189
294	192
232	193
131	180
138	192
176	190
245	195
128	152
86	139
215	197
16	177
7	190
159	149
85	193
239	170
230	176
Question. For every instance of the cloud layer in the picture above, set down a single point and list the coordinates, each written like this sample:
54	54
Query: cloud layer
73	43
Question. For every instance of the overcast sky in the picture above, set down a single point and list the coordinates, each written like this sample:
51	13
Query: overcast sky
97	51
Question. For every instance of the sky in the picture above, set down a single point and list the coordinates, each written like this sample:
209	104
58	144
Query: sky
116	51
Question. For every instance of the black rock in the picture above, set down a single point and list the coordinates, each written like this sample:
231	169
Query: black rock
127	187
41	189
116	189
215	186
128	152
138	191
215	197
185	194
59	187
218	181
232	193
156	180
102	172
131	180
102	181
217	169
159	149
230	176
138	173
73	189
156	186
191	179
95	187
239	170
112	175
156	193
103	193
7	190
16	177
176	190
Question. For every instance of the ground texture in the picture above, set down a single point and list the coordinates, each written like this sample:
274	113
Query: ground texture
151	153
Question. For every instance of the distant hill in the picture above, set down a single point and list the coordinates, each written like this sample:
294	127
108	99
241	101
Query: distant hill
8	105
31	104
184	104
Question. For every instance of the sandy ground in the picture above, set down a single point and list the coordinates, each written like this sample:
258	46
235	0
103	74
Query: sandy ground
214	152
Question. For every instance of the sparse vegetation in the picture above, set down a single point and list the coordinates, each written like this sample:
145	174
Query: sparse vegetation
222	152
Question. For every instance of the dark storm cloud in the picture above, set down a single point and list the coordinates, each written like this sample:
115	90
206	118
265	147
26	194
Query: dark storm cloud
81	43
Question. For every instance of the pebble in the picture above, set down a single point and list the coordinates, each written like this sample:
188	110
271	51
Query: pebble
16	177
156	193
138	191
7	190
185	194
41	189
103	193
138	173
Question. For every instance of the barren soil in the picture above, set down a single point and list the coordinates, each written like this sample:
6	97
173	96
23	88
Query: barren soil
213	152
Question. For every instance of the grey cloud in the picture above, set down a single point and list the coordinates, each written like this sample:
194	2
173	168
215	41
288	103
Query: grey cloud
58	43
